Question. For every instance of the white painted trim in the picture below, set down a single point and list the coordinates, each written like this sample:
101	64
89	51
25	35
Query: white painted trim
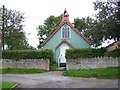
59	58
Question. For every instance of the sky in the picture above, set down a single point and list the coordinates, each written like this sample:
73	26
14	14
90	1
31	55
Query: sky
36	11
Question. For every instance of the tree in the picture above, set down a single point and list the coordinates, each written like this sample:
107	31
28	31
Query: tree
107	22
50	24
16	40
12	29
83	24
86	27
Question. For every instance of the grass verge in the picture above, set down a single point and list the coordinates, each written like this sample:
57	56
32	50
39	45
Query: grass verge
7	85
53	67
101	73
21	71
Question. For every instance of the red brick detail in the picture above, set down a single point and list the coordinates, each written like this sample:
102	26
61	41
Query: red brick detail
64	40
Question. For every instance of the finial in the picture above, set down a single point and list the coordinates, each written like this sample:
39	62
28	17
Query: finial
65	11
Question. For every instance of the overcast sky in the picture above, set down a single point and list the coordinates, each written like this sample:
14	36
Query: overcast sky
36	11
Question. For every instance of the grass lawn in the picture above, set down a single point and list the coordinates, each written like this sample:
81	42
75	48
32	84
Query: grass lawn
101	73
7	85
21	71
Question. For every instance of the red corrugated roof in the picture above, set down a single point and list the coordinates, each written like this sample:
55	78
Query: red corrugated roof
65	19
64	40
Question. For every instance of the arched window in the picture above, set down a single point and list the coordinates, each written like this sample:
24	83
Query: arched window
65	31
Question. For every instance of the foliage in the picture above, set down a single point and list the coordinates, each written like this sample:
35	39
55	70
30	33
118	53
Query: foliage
7	85
104	73
12	29
50	24
114	53
87	27
28	54
84	24
22	71
16	41
0	40
76	53
53	66
107	22
0	54
104	26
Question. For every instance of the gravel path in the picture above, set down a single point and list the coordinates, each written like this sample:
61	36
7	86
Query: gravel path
54	79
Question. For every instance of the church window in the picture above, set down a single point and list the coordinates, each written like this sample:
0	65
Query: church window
65	31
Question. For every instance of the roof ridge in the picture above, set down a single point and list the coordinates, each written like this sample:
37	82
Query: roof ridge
69	23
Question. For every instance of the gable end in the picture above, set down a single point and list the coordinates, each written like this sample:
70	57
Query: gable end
66	20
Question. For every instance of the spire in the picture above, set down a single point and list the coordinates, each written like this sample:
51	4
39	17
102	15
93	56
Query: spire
65	16
65	11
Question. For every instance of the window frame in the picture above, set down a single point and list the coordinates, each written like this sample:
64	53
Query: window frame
65	34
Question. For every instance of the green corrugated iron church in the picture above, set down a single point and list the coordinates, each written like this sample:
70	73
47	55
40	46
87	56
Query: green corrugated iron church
65	36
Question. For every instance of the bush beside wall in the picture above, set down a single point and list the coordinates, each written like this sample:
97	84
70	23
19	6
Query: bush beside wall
114	53
28	54
76	53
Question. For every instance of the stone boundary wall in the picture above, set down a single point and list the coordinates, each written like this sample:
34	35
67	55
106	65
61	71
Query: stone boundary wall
91	63
25	63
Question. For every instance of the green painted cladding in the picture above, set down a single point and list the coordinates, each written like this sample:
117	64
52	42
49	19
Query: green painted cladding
76	41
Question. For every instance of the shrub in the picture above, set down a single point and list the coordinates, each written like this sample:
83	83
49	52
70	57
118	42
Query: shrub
114	53
53	66
28	54
76	53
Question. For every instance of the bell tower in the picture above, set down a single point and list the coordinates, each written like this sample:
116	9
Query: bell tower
65	16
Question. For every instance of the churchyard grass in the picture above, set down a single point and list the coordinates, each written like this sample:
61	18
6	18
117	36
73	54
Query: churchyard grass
21	71
7	85
100	73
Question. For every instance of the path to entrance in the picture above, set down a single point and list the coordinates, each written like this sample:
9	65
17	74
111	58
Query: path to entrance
54	79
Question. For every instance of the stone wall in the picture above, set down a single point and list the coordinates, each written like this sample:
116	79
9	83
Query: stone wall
25	63
91	63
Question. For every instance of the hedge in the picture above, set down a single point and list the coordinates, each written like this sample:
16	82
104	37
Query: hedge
27	54
76	53
114	53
